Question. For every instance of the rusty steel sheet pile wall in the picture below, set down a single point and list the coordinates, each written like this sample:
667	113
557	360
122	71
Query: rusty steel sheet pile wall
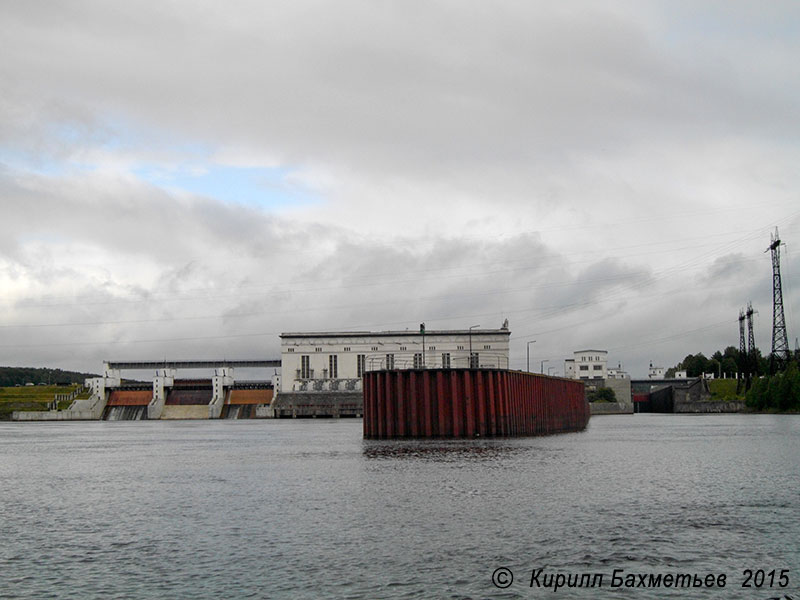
469	403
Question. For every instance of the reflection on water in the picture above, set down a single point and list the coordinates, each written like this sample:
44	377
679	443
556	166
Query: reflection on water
441	450
308	509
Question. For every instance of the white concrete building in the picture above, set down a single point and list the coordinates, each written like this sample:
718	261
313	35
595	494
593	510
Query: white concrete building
656	372
618	373
587	364
322	361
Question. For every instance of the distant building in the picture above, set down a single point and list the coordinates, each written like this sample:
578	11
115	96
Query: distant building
587	364
656	372
335	362
618	373
680	375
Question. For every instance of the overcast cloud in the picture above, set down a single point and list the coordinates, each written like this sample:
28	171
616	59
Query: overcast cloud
188	179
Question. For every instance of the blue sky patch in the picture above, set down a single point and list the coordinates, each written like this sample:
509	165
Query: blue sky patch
259	187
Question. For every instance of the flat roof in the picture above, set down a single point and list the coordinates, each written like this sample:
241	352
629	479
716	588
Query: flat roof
404	333
190	364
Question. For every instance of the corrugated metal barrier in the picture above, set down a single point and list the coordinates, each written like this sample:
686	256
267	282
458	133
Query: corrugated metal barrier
470	403
130	397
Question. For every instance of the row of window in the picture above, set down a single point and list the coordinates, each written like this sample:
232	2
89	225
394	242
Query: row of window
333	364
402	348
594	367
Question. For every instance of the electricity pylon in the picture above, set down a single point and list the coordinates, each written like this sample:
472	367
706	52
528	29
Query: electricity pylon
780	342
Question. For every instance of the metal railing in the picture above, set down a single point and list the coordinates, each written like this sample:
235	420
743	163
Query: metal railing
486	360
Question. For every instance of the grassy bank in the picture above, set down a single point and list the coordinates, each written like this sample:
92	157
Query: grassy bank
724	390
36	397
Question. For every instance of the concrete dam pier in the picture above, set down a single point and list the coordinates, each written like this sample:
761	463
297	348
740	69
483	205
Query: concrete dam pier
465	403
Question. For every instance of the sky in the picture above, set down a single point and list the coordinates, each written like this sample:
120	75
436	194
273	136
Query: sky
190	179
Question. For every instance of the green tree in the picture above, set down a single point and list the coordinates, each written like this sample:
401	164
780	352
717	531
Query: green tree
728	366
604	394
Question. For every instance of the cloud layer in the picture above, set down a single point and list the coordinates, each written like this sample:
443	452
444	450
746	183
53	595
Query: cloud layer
189	179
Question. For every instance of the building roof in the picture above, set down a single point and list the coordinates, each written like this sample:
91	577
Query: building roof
405	333
590	350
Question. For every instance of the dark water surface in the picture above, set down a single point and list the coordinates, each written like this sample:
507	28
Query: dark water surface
307	509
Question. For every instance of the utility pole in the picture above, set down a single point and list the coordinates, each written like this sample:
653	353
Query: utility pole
471	361
422	332
780	342
529	355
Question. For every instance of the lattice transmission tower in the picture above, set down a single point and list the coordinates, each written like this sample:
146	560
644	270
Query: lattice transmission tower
742	355
752	359
780	341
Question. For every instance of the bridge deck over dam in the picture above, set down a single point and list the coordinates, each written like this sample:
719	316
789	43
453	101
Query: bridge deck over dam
190	364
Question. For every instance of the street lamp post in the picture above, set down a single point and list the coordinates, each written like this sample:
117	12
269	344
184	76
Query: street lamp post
529	355
422	331
541	367
470	344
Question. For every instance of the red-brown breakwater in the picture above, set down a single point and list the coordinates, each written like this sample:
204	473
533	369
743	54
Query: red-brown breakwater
469	403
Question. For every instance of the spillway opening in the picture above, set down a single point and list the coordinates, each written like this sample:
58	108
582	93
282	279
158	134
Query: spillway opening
125	413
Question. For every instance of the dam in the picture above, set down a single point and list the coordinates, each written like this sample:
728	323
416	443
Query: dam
221	396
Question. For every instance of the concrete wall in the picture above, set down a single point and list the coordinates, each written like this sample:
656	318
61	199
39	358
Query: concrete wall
611	408
186	411
53	415
622	389
317	404
708	407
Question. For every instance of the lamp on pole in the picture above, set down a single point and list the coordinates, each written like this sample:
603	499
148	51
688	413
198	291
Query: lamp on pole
470	344
422	331
541	367
529	355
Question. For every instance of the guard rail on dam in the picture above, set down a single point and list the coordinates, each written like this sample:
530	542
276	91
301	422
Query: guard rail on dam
469	403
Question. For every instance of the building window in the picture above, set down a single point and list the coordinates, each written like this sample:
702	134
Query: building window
487	346
584	367
290	349
333	363
360	365
445	360
317	349
347	348
459	347
417	360
402	348
374	348
390	361
597	367
431	347
305	367
473	360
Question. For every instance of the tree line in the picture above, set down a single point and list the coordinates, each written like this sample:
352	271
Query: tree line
725	363
780	391
770	388
12	376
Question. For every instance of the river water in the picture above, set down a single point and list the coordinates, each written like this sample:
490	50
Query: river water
308	509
